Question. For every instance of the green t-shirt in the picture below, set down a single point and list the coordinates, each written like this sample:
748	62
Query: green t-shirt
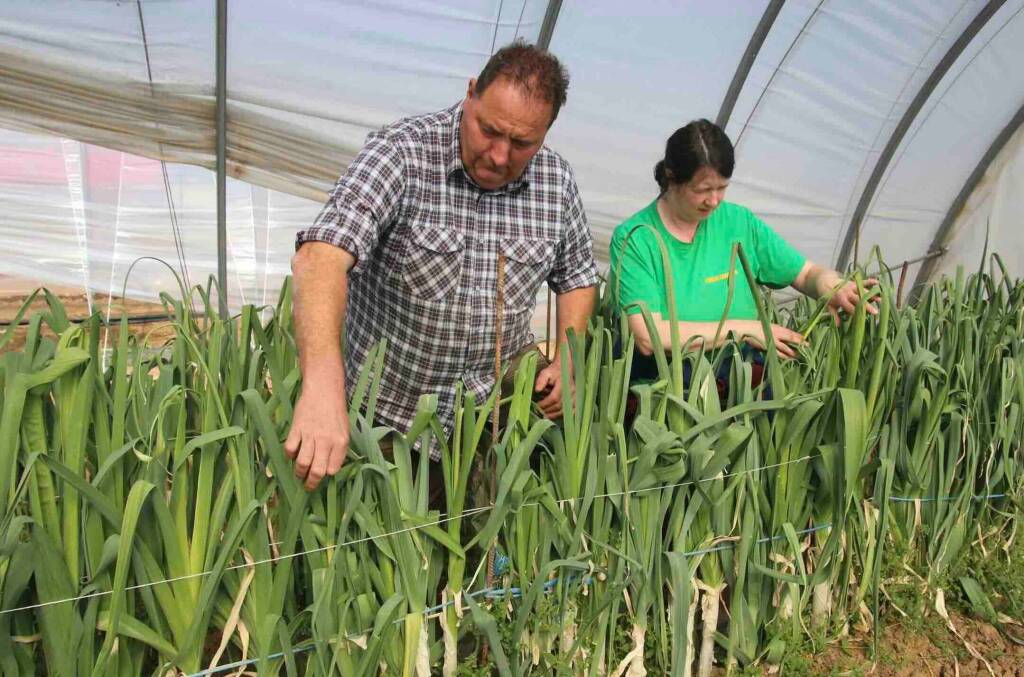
700	269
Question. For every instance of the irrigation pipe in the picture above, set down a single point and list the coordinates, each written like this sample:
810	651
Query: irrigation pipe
131	319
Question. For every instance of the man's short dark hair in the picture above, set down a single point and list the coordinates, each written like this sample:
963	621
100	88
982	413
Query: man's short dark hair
535	70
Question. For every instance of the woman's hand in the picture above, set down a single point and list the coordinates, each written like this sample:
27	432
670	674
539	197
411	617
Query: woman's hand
847	297
752	333
816	281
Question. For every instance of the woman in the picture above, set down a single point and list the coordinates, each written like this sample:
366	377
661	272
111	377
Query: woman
698	228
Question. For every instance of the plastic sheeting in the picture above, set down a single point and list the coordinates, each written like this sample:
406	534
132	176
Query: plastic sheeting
993	214
307	81
82	215
972	104
86	217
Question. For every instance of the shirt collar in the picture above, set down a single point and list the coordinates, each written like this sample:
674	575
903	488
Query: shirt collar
454	164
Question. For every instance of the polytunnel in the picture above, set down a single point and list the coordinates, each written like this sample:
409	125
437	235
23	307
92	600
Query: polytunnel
856	124
764	485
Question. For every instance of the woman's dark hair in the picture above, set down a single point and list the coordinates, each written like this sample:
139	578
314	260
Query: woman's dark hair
701	143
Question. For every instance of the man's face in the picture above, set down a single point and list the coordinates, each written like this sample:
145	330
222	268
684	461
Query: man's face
702	194
501	130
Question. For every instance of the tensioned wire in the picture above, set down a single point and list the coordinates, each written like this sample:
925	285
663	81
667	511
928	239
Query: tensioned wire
942	499
442	520
201	574
179	245
491	593
497	21
501	593
475	511
514	592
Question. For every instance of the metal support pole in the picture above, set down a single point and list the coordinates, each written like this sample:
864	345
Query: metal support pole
739	78
851	241
547	29
945	229
222	227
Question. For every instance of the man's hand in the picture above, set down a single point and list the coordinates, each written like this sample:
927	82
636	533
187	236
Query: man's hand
573	311
847	297
783	338
549	380
318	439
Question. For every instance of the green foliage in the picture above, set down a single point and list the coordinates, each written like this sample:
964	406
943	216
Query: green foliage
149	483
988	582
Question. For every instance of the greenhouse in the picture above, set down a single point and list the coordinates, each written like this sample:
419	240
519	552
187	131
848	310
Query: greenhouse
842	502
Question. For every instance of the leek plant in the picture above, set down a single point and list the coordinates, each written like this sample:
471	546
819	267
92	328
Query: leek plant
150	522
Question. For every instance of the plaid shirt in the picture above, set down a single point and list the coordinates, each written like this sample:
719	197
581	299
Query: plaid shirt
426	242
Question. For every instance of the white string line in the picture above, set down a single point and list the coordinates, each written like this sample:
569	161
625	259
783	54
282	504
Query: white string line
660	487
233	567
467	513
706	479
435	612
428	614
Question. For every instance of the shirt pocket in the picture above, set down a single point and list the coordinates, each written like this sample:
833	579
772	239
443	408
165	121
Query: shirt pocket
527	265
432	264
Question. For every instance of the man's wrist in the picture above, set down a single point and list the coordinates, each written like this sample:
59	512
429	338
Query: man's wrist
562	352
326	378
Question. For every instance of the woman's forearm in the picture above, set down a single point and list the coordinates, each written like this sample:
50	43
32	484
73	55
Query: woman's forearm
692	335
816	281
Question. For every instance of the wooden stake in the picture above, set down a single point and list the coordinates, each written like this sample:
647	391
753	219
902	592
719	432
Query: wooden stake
547	330
899	290
499	307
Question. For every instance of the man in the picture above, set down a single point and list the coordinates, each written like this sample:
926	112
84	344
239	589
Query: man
406	249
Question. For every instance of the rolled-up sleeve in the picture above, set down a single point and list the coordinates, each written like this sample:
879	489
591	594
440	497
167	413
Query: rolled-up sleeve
778	262
574	266
363	203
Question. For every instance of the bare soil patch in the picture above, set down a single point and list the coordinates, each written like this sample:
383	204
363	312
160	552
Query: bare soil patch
906	651
14	292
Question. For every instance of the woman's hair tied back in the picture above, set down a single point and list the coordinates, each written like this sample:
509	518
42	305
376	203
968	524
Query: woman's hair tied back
700	143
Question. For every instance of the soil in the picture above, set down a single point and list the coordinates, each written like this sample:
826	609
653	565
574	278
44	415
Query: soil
907	652
14	291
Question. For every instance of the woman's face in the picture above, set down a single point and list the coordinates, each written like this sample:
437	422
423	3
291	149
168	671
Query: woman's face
701	195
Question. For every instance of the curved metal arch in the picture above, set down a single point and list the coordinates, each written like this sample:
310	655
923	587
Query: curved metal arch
945	229
852	236
785	57
547	29
739	78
